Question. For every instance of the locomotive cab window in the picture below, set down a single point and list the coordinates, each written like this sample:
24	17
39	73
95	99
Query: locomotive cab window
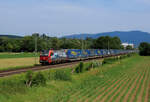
52	54
44	53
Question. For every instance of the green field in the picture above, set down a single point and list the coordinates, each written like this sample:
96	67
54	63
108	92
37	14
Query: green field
17	55
126	80
17	60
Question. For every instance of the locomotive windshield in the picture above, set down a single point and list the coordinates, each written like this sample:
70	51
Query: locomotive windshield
45	53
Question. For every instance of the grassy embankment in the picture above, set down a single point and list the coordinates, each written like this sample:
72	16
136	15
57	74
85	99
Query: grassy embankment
124	80
17	60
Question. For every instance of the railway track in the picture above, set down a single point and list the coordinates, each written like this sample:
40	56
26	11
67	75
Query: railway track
38	68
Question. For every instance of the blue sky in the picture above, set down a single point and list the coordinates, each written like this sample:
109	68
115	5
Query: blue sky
63	17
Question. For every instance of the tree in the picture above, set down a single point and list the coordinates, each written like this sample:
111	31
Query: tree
9	47
55	43
44	42
70	43
28	44
129	47
106	42
144	49
89	42
115	43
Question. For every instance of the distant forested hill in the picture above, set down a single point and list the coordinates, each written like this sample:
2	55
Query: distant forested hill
10	36
126	36
135	37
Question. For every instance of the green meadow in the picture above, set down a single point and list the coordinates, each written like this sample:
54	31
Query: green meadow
17	60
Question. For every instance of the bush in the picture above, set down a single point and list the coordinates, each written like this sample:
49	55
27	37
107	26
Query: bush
89	66
38	79
129	55
93	64
29	78
144	49
123	56
79	68
62	75
109	60
96	64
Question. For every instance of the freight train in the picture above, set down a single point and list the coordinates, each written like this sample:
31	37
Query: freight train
66	55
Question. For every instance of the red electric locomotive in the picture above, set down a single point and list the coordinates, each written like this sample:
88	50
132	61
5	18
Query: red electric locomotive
45	57
53	56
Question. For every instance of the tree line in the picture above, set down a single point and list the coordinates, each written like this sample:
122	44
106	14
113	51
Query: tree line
27	43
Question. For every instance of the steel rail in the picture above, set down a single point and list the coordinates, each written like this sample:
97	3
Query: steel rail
38	68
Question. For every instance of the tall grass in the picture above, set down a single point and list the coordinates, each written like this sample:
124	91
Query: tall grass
12	86
62	75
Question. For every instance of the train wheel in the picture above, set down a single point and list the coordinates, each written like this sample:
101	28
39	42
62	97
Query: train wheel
43	63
